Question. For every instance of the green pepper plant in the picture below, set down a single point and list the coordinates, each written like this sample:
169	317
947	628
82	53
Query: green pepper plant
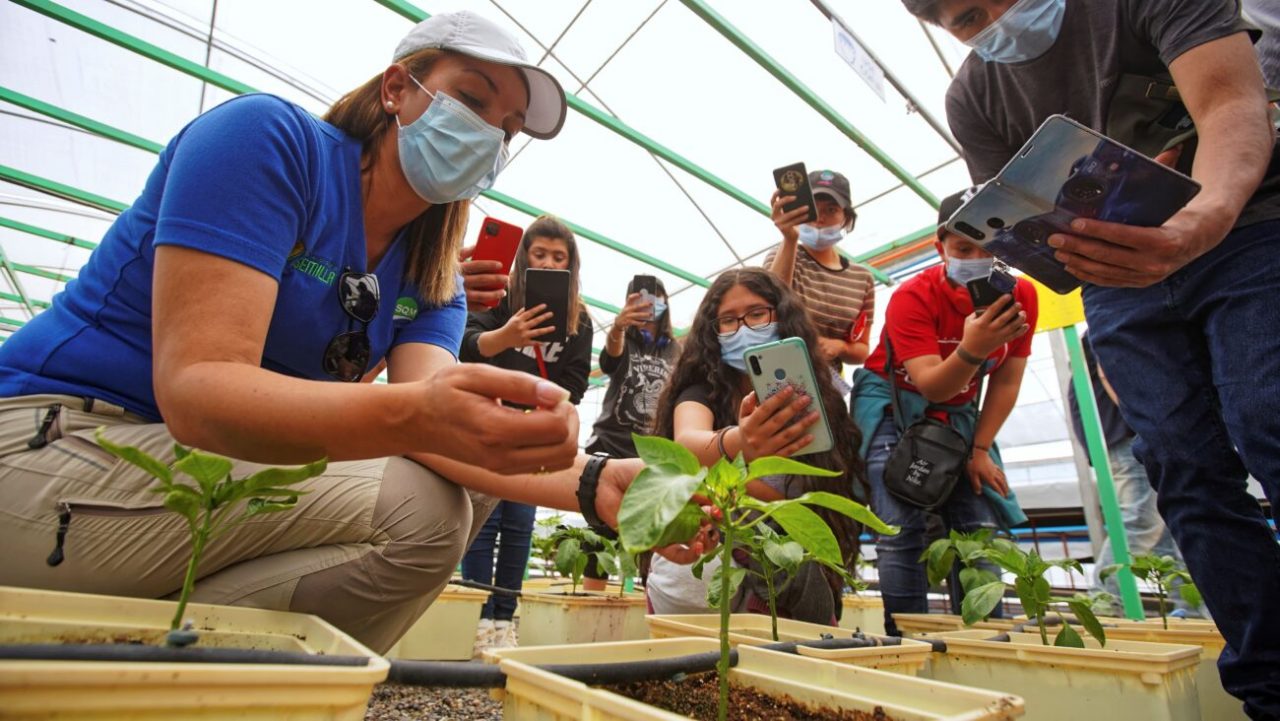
968	549
576	547
778	559
675	495
213	506
1161	572
544	545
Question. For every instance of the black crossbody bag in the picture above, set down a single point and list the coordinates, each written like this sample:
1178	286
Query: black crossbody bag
929	457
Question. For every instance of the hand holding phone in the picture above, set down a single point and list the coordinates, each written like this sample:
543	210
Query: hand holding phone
487	264
549	288
786	392
985	291
647	287
793	180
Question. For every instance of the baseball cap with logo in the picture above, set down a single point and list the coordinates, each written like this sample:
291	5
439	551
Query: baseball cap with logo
832	184
469	34
950	205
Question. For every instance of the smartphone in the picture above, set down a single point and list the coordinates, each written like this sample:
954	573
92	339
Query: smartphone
794	180
1063	172
647	287
985	291
785	363
552	288
498	241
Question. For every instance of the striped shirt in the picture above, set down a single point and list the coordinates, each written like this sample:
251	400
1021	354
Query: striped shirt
835	298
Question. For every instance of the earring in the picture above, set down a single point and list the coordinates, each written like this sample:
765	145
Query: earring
390	104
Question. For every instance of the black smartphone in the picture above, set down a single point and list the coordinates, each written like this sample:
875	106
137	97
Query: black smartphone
794	180
985	291
647	287
552	288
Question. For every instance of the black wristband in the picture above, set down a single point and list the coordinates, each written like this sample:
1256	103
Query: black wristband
968	357
587	484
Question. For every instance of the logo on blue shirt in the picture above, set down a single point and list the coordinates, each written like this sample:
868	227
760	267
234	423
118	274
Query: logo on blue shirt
309	265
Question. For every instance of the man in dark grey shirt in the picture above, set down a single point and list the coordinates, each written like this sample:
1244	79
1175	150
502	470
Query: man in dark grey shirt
1185	317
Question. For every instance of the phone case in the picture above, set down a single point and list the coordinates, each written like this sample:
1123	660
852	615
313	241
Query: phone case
647	287
985	291
786	363
498	241
1066	171
794	180
550	287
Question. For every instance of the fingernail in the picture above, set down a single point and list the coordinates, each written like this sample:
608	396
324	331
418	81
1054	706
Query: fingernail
1078	224
1055	241
550	394
1060	256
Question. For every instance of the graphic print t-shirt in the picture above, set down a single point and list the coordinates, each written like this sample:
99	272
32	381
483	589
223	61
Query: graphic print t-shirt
636	379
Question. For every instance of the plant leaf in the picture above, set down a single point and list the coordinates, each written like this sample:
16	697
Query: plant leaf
567	552
808	529
971	578
135	456
1008	556
685	526
207	468
279	477
1068	637
787	555
180	451
979	602
656	451
1191	594
779	466
259	506
1026	594
850	508
736	574
1084	614
655	499
1109	571
186	505
940	557
607	563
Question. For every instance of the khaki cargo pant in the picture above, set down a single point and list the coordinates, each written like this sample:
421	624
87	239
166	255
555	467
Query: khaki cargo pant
368	548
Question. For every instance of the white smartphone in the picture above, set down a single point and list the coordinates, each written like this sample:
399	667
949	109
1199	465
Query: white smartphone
782	364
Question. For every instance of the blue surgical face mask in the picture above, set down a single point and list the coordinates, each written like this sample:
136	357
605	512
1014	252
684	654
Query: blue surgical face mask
733	348
963	270
820	238
1024	32
659	307
450	153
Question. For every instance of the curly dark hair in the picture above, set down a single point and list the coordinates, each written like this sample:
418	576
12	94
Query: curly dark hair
700	364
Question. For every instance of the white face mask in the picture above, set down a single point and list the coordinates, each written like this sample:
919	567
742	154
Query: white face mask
820	238
450	153
963	270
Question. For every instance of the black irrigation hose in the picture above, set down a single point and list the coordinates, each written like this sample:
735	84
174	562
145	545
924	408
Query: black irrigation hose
446	674
485	587
165	654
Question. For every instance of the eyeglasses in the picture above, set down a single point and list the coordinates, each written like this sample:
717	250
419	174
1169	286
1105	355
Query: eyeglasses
347	355
755	319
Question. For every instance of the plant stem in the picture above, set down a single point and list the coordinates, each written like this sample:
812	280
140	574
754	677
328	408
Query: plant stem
722	667
1160	596
189	581
773	602
1044	634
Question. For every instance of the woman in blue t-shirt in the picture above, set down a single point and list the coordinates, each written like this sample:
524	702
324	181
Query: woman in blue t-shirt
270	257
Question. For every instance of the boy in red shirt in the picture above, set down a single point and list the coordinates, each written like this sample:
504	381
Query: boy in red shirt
939	346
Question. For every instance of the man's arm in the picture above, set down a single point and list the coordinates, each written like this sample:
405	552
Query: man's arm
1221	85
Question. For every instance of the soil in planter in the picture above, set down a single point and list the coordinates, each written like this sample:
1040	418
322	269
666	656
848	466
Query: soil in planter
697	697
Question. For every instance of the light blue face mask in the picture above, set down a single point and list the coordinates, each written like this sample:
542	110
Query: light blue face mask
1024	32
450	153
963	270
733	348
659	307
820	238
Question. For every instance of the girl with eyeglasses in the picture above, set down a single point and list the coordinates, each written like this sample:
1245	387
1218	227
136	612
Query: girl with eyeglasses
271	257
709	407
508	339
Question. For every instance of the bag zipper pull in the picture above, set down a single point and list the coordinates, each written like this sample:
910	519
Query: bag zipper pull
64	521
41	438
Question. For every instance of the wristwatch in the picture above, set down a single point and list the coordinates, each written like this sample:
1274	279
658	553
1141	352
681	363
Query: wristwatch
587	484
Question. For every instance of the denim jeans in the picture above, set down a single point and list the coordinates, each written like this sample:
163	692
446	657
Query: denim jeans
1144	530
511	527
904	582
1195	360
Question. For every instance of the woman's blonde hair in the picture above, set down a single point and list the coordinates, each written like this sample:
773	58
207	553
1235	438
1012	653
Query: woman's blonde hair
547	226
434	237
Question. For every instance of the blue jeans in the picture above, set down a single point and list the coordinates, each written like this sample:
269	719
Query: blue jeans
1195	360
511	527
1143	528
904	583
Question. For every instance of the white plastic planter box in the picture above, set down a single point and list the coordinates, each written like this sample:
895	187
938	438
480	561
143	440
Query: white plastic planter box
1215	703
532	694
550	619
1124	680
863	612
753	629
447	631
100	690
913	623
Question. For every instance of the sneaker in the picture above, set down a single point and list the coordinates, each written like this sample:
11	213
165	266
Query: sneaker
504	635
486	636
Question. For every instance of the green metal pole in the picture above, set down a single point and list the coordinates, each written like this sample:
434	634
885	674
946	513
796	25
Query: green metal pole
11	273
774	68
79	121
56	189
42	304
49	234
1096	444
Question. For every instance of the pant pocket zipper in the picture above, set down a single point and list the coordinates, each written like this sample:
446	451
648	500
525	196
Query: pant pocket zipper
65	509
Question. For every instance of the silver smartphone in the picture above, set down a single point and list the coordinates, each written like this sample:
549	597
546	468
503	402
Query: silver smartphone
782	364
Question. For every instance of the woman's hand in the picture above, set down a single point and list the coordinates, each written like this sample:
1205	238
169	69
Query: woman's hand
483	280
1004	321
767	429
521	329
690	551
984	471
460	417
635	313
787	221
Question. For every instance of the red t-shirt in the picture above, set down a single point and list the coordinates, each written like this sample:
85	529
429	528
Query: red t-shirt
926	317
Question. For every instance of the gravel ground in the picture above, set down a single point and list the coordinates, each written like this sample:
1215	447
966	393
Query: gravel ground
393	702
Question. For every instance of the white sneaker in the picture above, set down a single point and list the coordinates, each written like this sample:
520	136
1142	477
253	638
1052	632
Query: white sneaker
504	635
486	636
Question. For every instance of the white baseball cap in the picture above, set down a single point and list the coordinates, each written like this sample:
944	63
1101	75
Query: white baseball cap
474	36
